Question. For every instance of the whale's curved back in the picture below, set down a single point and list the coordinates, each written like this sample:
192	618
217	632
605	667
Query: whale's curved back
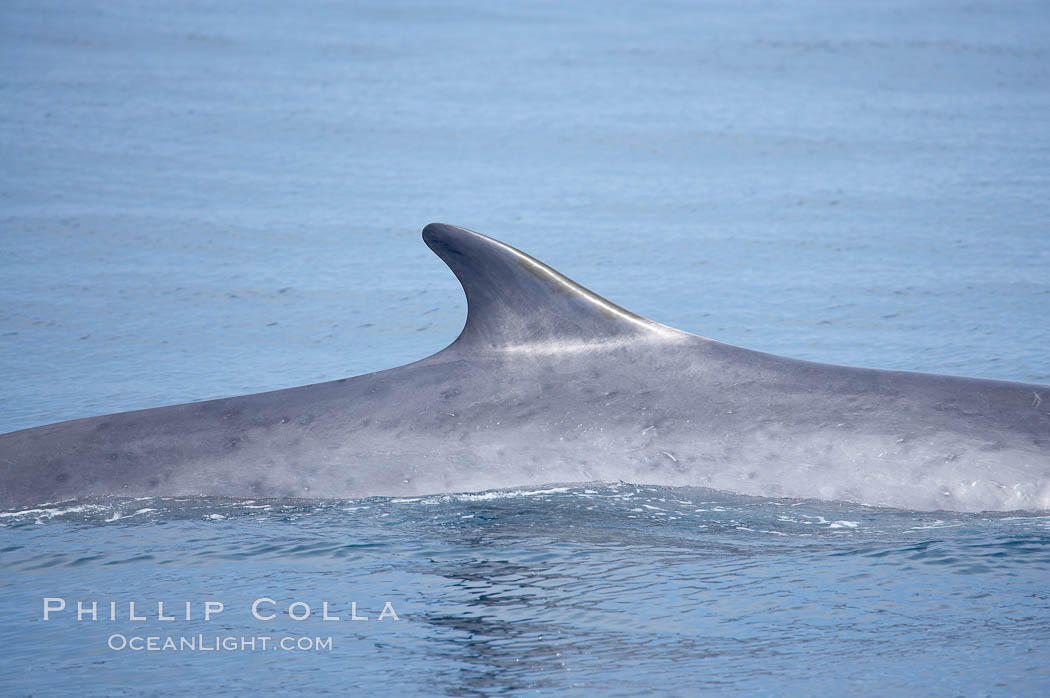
517	302
550	383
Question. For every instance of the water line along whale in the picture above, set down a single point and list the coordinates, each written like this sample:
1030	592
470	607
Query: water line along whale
550	383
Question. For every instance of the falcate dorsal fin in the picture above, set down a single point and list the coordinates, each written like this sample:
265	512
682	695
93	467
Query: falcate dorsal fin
515	301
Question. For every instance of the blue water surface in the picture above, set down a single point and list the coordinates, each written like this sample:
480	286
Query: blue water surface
207	199
603	590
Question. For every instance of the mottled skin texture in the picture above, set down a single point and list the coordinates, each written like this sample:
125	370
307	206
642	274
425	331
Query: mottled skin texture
551	383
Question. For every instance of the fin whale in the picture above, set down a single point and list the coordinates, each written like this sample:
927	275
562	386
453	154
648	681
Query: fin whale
551	383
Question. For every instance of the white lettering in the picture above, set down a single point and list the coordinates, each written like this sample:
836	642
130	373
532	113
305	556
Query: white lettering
306	611
212	607
51	605
255	609
83	610
324	612
388	610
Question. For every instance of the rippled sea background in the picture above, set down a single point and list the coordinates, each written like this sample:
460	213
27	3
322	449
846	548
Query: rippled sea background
209	199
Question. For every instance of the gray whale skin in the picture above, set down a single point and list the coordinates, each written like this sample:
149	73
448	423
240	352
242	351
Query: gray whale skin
550	383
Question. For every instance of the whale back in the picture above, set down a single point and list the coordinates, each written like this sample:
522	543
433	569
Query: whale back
517	302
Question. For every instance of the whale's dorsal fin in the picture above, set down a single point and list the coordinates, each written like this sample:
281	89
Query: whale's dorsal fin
515	301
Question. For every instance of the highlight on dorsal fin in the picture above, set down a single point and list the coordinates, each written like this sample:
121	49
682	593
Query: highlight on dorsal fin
515	301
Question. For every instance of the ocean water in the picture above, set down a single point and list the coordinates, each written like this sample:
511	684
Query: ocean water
210	199
601	590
